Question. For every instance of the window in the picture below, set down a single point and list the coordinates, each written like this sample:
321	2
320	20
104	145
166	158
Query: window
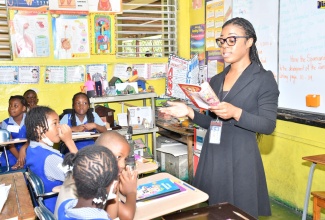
147	29
5	51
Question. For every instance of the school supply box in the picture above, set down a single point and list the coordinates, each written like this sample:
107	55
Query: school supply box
173	159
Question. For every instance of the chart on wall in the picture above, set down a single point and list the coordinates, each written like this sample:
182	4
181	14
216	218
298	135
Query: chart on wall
70	36
302	57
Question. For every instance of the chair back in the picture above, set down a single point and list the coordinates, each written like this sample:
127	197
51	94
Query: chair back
36	182
42	212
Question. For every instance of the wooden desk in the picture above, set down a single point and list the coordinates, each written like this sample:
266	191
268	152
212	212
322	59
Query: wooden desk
316	159
10	141
184	136
219	211
19	203
162	206
145	167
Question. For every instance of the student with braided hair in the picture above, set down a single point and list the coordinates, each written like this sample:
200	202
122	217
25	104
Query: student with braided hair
43	130
127	185
230	167
95	173
83	118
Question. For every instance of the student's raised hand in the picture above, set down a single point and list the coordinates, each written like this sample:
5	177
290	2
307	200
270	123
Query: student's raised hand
128	181
226	110
176	109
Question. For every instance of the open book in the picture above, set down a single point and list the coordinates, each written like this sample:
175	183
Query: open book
156	189
202	96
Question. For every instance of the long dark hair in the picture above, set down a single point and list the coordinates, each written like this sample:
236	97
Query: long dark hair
250	32
90	116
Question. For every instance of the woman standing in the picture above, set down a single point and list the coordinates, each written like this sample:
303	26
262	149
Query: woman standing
230	167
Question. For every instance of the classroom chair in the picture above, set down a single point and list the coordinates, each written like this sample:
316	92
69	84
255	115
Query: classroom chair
42	212
36	187
319	202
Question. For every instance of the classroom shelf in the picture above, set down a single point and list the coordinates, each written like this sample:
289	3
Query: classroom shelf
131	97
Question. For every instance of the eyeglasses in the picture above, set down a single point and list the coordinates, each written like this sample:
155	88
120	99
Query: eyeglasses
231	41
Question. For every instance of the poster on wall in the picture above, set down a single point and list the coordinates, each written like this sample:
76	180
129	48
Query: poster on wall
69	6
197	39
105	6
8	74
101	33
29	33
28	5
215	63
28	74
70	35
157	70
181	70
54	74
214	21
75	74
123	70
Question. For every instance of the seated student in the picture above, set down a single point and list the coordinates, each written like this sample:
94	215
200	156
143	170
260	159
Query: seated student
95	173
15	124
31	97
83	118
127	179
43	130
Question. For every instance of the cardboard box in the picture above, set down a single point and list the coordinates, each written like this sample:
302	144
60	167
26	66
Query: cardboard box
173	159
140	117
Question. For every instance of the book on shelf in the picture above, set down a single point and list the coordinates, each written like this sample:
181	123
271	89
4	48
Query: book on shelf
157	189
202	96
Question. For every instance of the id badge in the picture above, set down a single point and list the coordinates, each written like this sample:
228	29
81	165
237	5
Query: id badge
215	132
13	128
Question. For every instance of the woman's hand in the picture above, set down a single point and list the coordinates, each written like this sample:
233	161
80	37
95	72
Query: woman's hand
79	128
89	126
65	133
178	109
128	181
226	111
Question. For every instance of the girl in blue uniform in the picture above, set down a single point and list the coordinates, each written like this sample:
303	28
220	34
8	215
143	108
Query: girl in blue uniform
83	118
43	130
15	124
95	172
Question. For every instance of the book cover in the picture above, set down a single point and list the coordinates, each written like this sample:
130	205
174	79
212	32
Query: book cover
156	189
202	96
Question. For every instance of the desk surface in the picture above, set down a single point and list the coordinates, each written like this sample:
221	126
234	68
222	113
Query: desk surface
219	211
145	167
319	159
162	206
13	141
19	203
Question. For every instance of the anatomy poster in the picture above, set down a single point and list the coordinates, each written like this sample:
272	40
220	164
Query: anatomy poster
101	39
70	35
111	6
29	33
68	6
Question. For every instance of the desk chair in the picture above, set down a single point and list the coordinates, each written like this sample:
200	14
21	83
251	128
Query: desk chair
36	187
319	202
42	212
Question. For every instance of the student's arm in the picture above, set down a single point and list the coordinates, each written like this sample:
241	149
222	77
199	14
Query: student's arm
65	135
65	120
13	150
128	187
21	156
98	124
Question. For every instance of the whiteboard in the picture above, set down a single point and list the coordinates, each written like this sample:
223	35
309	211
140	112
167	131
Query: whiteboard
264	17
301	55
